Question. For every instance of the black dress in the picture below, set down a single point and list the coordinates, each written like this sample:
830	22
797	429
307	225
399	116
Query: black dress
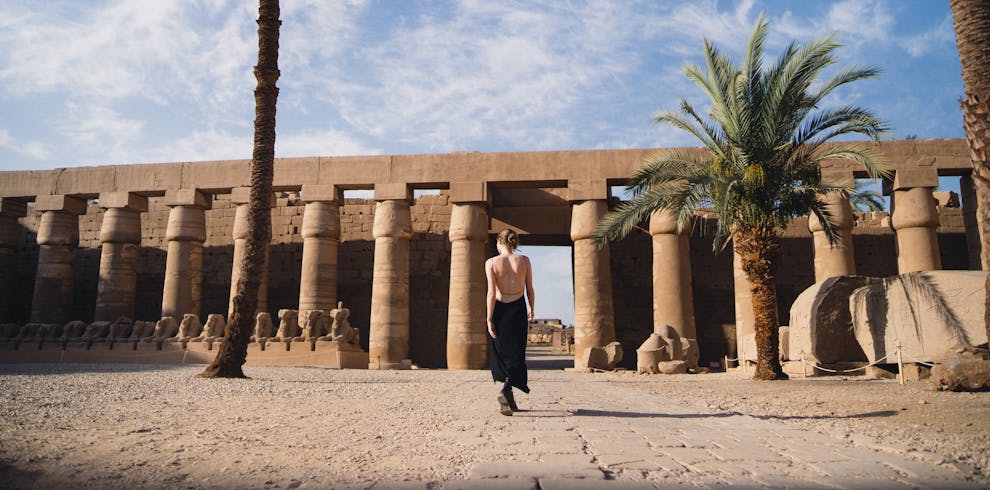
508	349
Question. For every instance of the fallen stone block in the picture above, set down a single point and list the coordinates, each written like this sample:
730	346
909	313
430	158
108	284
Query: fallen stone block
928	313
821	323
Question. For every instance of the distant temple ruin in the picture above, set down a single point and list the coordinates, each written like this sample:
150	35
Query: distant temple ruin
153	240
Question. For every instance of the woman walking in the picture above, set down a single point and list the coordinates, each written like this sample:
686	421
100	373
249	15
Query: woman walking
509	276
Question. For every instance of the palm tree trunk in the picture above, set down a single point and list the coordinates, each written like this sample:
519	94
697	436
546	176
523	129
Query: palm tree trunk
233	351
758	249
971	19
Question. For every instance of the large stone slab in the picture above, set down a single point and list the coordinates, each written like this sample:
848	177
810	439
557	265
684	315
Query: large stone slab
821	324
928	312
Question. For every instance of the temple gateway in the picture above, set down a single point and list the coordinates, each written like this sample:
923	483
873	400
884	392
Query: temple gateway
147	241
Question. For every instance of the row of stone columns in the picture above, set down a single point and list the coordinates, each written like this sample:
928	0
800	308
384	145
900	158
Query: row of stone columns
914	219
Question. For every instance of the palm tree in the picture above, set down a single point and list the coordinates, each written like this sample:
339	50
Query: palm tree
863	199
972	22
765	137
233	351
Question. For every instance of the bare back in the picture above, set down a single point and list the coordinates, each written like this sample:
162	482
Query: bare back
510	273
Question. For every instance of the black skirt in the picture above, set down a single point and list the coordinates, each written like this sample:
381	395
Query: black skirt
508	349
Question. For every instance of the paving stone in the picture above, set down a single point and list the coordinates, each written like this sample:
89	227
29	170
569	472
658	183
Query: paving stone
575	459
521	469
865	469
571	484
492	484
687	455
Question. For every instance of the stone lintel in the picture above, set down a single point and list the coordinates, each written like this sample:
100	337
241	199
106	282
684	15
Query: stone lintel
12	209
468	192
188	197
60	202
587	190
242	195
126	200
835	176
907	178
321	193
385	192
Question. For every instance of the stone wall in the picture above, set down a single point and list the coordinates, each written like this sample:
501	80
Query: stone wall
430	266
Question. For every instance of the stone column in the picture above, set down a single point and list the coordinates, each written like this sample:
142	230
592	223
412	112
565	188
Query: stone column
121	237
241	196
389	324
745	319
10	234
186	233
58	236
971	220
321	236
594	319
467	341
834	259
673	299
914	219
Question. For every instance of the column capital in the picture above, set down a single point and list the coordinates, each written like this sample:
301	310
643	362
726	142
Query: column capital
587	190
393	191
664	222
585	216
907	178
242	195
60	202
12	209
321	193
124	200
189	197
469	192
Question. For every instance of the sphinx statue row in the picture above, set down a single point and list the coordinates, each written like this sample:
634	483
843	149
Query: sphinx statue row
294	326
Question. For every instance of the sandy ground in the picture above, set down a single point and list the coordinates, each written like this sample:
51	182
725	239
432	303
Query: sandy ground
99	426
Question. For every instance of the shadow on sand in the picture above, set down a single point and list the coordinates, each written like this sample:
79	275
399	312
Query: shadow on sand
611	413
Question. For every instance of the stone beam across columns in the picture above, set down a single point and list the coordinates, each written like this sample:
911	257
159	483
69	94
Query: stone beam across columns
594	314
185	233
388	343
467	341
834	259
241	196
914	219
321	238
120	235
58	237
10	234
673	300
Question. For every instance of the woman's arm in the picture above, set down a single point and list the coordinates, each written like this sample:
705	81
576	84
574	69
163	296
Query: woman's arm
530	294
490	298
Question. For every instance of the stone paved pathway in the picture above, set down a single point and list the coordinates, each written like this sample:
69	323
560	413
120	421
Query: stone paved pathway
593	436
160	427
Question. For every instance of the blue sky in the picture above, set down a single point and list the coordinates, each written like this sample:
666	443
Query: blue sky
129	81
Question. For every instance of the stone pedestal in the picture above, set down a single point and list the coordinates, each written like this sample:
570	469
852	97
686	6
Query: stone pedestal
834	259
389	322
321	236
58	236
673	300
467	342
121	236
10	233
241	197
594	320
914	219
185	233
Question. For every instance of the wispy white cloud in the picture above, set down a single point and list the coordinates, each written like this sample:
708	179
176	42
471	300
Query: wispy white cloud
32	149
